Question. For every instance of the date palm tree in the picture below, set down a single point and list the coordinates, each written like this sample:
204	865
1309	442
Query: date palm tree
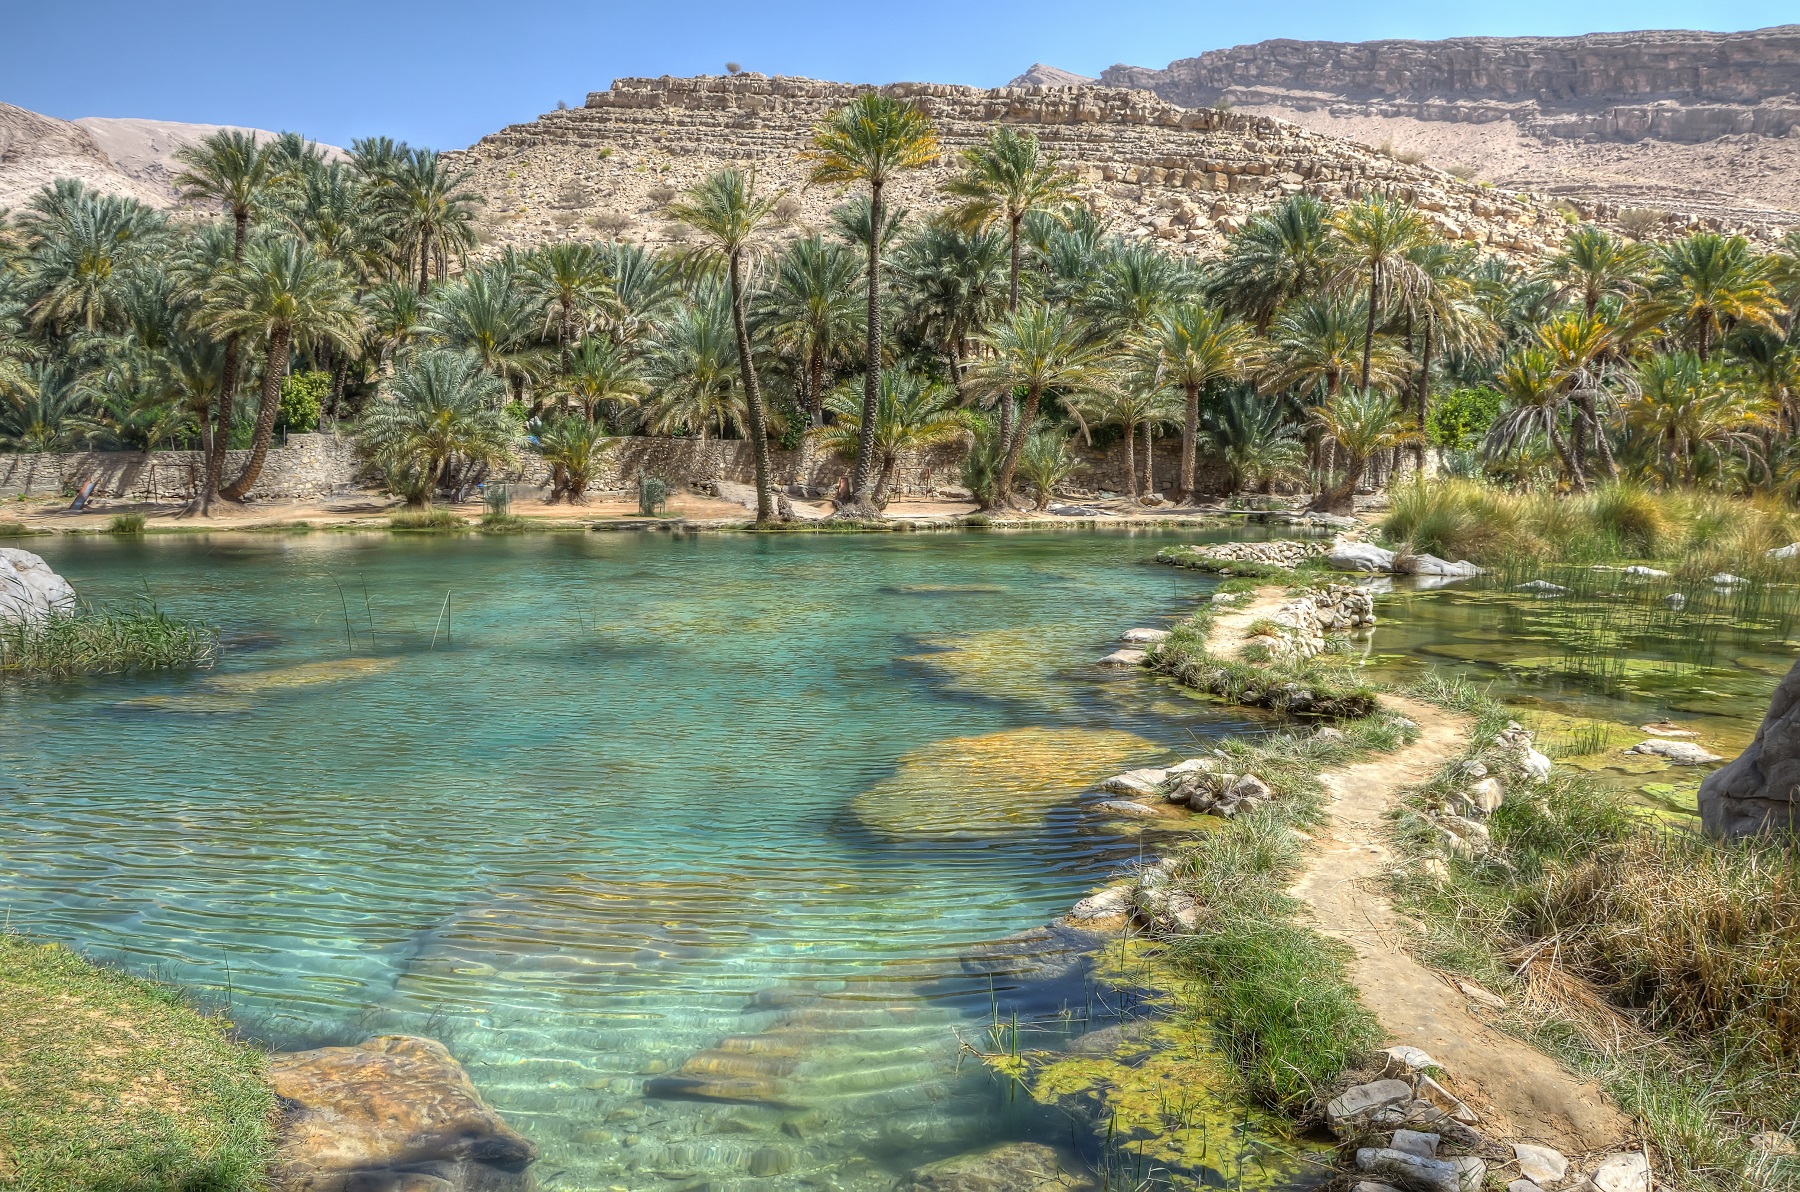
1536	401
810	310
1592	265
1706	283
1188	348
952	284
1318	342
871	139
1004	179
1254	438
725	208
1278	256
1374	237
570	278
1038	350
645	287
573	447
691	365
1139	403
1686	409
601	372
914	414
1450	317
487	314
444	411
289	295
1361	422
427	211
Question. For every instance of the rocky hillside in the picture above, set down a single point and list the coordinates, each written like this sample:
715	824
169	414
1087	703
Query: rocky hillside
1708	122
1183	176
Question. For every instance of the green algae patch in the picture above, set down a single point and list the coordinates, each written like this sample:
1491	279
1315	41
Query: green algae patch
994	782
110	1082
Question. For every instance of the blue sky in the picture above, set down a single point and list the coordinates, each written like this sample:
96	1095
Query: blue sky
444	74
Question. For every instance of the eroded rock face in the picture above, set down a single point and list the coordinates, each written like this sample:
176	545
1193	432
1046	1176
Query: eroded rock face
393	1114
1759	791
29	589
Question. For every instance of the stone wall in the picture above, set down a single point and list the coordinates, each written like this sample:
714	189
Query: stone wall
305	466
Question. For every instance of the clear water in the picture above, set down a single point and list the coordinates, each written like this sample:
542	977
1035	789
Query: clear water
631	813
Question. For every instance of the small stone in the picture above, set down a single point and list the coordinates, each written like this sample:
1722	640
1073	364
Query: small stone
1523	1186
1629	1172
1535	764
1184	910
1675	600
1372	1186
1646	572
1682	753
1725	579
1413	1171
1415	1142
1404	1062
766	1161
1327	733
1141	783
1193	765
1114	900
1126	807
1541	586
1144	636
1125	658
1476	993
1249	786
1540	1164
1355	1106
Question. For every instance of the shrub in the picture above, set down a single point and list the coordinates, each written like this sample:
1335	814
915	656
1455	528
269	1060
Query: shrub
980	467
303	398
1045	462
1632	517
126	523
653	494
428	518
1459	419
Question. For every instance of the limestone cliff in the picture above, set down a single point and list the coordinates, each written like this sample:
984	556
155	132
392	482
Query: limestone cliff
1184	177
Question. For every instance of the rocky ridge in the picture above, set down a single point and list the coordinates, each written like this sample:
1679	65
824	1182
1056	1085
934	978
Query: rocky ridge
1701	123
1185	177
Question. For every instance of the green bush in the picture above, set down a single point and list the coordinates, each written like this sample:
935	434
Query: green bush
653	494
303	397
1460	418
126	523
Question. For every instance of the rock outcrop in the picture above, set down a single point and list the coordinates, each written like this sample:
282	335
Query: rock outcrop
1500	101
1759	791
393	1114
29	589
1182	177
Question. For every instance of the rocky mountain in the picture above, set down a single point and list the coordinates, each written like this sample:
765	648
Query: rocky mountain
1705	122
1183	176
127	156
1040	75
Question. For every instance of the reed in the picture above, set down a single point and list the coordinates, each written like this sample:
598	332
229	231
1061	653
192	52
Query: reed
429	518
106	641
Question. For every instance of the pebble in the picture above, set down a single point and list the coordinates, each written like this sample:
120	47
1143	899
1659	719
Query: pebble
1540	1164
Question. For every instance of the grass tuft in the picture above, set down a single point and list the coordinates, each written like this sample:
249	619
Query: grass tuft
428	518
105	641
126	523
109	1082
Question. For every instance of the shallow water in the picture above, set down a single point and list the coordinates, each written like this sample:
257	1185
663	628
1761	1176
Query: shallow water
630	814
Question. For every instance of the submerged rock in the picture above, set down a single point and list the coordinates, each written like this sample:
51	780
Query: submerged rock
1641	572
1725	579
394	1112
1417	1171
1125	658
1009	1167
1141	784
1682	753
1114	900
1759	791
29	589
1144	636
1541	586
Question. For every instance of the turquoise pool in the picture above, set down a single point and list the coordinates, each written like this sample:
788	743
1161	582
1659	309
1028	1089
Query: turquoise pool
623	798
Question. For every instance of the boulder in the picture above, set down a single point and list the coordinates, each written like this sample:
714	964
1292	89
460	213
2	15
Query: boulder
392	1114
1540	1164
1629	1172
1407	1063
1415	1142
1419	1172
1359	556
29	589
1137	783
1144	637
1664	728
1486	796
1759	790
1785	552
1682	753
1523	1186
1432	565
1114	900
1009	1167
1356	1107
1125	658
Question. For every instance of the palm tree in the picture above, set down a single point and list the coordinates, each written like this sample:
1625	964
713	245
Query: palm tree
487	315
332	210
599	372
1707	283
570	278
914	414
1684	408
1361	422
1318	342
1450	316
871	139
1577	347
1374	237
284	292
82	247
44	415
1254	438
573	448
428	213
1536	400
1592	265
951	283
1189	348
810	310
644	288
1128	407
1130	285
1038	349
1279	256
692	367
1046	462
725	208
1004	179
394	317
444	410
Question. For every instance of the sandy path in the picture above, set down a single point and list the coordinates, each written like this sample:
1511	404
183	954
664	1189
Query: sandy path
1521	1094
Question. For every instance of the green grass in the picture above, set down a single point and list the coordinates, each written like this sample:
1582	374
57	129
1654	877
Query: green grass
106	641
110	1083
1660	963
428	518
15	529
126	523
1310	688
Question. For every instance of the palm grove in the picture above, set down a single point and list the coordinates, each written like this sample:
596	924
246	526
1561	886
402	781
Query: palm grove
1323	342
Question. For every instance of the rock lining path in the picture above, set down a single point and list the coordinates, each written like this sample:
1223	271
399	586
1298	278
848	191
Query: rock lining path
1520	1093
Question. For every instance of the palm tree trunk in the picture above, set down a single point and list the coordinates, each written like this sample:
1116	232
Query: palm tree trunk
274	369
567	329
759	434
1005	401
1190	434
218	441
815	385
1003	489
1012	293
424	265
1369	331
859	505
1608	467
1424	401
1149	461
340	376
1577	481
1131	479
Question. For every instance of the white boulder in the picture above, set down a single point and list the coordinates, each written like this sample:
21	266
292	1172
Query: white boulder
1359	556
1682	753
1432	565
1114	900
1646	572
1137	783
1540	1164
1541	586
1140	637
1725	579
1126	807
29	589
1125	658
1785	552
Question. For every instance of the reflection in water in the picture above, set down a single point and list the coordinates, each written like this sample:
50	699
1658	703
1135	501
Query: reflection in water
694	850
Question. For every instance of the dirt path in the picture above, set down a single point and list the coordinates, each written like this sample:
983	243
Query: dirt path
1521	1094
1228	631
